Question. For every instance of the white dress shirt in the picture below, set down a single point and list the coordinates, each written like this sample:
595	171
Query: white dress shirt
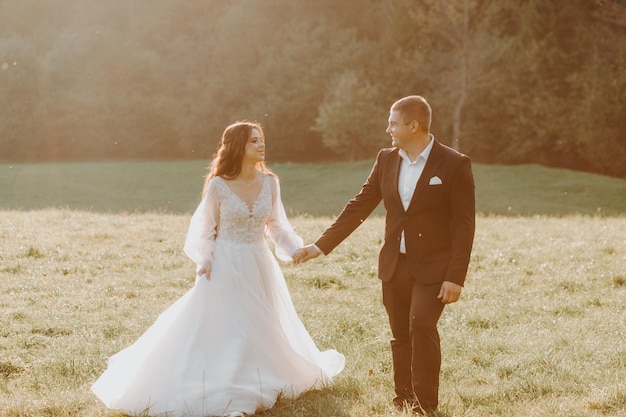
410	173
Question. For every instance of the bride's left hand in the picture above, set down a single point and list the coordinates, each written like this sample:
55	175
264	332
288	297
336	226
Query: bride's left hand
304	254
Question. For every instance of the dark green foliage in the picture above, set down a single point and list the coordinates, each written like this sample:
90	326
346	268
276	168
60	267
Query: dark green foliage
510	82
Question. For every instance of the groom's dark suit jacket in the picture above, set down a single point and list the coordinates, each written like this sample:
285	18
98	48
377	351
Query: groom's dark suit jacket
438	224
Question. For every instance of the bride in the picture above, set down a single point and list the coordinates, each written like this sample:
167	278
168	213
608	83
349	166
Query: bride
234	342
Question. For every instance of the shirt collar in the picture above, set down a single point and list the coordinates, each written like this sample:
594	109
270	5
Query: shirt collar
425	153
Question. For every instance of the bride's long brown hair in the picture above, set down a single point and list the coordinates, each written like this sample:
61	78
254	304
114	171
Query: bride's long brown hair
228	159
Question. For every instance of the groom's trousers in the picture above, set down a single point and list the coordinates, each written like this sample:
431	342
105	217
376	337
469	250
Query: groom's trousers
414	310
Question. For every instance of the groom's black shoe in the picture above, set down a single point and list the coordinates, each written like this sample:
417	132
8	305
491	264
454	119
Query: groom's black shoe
420	411
404	403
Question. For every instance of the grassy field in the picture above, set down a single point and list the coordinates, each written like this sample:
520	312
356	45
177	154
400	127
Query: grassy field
314	189
540	329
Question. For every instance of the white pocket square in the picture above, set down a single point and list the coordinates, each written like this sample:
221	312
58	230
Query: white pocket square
435	181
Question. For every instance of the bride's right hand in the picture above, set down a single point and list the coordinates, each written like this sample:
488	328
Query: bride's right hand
206	271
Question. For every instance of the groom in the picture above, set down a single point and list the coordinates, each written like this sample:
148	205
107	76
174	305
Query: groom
428	192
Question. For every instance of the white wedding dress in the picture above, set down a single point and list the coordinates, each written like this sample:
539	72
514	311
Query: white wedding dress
231	344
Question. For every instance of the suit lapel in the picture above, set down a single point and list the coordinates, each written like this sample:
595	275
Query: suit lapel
432	164
396	161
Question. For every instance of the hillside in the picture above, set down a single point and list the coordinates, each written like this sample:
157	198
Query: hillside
313	189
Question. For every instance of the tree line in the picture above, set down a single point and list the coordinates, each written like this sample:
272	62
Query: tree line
513	81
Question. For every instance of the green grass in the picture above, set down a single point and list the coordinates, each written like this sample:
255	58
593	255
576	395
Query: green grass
539	331
314	189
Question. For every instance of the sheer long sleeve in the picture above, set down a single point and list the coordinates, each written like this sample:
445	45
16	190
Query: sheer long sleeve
200	242
279	229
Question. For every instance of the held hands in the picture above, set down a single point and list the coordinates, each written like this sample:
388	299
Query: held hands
450	292
304	254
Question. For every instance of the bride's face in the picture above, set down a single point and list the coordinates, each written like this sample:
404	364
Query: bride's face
255	147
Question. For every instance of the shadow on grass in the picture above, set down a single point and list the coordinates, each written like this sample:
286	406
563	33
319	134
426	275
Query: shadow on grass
314	403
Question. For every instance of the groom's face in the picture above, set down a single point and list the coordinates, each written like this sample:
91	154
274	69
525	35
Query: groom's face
401	133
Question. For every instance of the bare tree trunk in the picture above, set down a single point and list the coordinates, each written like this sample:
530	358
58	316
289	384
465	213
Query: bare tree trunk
458	108
353	151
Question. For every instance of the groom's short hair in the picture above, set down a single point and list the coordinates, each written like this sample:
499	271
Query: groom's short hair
414	108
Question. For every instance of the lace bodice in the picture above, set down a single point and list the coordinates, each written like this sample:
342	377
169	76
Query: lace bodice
239	222
223	216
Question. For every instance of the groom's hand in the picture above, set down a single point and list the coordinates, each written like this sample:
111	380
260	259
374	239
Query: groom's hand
305	253
450	292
